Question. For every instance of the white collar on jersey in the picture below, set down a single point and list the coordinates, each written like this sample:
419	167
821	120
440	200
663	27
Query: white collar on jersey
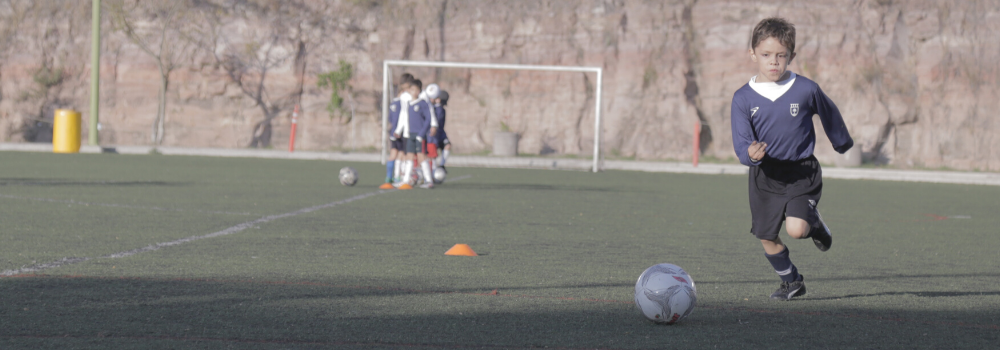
773	90
413	102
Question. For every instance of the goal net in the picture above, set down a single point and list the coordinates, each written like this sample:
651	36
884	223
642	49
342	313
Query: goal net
387	94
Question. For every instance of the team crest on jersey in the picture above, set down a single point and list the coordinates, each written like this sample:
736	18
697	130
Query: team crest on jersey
392	108
753	111
794	109
416	108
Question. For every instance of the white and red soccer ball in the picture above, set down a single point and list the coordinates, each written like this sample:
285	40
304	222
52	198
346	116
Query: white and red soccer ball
665	293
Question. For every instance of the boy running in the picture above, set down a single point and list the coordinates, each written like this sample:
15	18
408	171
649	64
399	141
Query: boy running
773	134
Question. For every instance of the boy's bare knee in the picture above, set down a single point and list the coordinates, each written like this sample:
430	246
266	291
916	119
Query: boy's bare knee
797	228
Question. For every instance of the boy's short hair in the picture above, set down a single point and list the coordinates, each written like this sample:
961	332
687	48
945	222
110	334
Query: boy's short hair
443	95
406	78
419	84
774	27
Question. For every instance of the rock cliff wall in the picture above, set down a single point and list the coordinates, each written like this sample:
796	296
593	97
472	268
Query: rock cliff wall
915	80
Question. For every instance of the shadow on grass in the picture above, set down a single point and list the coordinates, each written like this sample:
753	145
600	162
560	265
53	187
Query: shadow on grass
78	312
916	294
865	278
531	187
68	182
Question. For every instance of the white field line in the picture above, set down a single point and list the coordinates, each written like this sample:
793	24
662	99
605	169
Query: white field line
460	178
113	205
227	231
241	227
156	246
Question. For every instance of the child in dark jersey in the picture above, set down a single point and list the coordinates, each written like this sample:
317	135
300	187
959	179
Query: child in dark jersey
772	124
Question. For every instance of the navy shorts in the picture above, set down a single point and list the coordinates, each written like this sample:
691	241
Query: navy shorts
399	145
442	139
413	145
783	188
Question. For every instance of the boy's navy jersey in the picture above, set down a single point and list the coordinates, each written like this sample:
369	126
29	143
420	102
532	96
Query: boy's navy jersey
420	118
783	120
393	114
439	115
433	119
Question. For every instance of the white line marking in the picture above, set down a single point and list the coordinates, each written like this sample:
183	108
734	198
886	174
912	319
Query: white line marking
242	226
228	231
460	178
70	201
39	267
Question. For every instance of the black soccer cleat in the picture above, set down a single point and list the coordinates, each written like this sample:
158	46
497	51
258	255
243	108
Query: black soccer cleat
821	234
789	290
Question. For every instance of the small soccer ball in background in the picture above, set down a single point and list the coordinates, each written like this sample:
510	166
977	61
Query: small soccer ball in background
665	293
432	91
439	175
348	176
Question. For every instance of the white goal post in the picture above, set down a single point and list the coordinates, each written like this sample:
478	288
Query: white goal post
387	77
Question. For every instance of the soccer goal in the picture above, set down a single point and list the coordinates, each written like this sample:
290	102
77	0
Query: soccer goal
387	96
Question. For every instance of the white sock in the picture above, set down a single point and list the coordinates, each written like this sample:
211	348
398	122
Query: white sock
408	172
398	169
444	156
426	167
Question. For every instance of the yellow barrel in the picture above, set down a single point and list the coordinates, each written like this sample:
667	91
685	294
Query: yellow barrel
66	131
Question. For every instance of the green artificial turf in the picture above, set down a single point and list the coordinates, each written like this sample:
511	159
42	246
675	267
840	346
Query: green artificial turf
913	265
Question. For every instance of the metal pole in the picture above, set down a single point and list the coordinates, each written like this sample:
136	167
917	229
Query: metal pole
696	143
597	123
295	123
353	133
95	70
385	110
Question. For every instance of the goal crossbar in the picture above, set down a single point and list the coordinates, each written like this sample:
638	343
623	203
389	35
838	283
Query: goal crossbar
387	77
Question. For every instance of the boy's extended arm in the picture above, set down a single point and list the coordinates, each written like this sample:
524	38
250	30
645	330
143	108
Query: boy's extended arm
833	122
399	127
434	121
742	133
441	114
393	120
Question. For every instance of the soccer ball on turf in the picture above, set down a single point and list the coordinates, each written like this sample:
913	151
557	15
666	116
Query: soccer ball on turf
439	175
665	293
348	176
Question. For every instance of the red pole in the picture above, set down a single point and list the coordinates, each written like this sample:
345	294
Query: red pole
697	142
295	122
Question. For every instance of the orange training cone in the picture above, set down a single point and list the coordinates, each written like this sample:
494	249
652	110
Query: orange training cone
461	249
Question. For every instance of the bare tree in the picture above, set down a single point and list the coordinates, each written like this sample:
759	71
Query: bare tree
48	28
249	39
155	27
12	14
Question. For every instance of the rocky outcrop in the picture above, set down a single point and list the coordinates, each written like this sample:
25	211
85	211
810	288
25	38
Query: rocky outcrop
915	80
